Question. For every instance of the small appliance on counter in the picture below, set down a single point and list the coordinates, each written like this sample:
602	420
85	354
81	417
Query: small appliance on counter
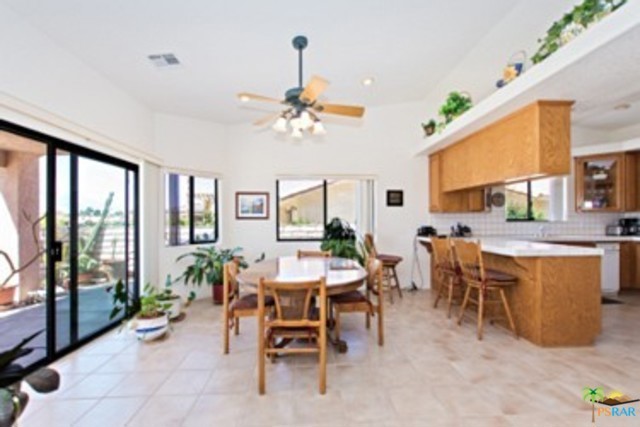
427	231
630	226
460	230
614	230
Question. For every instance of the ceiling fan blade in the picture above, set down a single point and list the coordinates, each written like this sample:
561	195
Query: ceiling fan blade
341	110
263	121
245	96
316	86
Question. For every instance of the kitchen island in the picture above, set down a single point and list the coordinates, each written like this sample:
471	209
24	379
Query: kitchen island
557	299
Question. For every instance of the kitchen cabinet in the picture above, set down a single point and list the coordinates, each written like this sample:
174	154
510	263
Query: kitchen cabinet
607	183
450	202
629	265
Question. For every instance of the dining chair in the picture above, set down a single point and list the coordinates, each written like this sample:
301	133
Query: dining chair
235	306
485	283
314	254
447	270
389	263
292	320
357	302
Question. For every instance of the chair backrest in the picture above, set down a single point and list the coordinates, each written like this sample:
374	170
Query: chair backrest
230	281
442	252
370	246
293	302
469	256
314	254
374	276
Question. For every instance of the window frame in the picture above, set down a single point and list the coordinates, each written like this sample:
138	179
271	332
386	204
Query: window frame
530	217
191	214
324	211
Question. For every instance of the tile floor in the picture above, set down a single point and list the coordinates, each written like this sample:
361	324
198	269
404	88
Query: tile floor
429	373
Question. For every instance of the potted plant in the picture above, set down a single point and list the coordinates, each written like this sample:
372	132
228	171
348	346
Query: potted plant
150	315
207	265
173	300
340	239
429	127
455	105
13	400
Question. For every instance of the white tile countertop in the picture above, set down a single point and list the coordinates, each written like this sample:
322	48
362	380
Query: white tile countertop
523	248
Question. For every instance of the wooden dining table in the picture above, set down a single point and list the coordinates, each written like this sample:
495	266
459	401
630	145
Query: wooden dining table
341	275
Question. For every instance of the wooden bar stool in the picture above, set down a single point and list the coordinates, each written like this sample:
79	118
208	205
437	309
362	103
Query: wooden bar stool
449	274
389	263
484	282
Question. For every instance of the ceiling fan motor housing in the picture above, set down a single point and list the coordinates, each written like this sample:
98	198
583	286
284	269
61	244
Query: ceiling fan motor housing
300	42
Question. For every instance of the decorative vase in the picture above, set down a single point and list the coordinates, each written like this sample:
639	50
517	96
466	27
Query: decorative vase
175	306
151	329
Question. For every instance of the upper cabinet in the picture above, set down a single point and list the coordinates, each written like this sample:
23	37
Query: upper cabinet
607	183
450	202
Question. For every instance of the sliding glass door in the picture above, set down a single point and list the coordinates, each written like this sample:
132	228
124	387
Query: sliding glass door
69	218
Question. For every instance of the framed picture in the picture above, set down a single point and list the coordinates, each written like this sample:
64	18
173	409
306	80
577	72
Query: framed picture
395	198
252	205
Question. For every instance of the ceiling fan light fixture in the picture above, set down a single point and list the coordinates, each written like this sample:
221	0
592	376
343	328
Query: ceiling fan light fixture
280	125
318	128
296	133
305	120
244	98
368	81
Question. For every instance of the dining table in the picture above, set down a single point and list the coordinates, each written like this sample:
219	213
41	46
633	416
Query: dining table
341	275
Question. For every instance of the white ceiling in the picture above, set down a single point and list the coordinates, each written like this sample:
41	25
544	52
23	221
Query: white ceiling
230	46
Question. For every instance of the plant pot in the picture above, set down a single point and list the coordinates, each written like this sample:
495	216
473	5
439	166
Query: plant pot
175	308
429	129
151	329
6	294
218	293
85	278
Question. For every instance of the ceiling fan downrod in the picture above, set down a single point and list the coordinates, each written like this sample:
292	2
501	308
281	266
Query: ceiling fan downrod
300	43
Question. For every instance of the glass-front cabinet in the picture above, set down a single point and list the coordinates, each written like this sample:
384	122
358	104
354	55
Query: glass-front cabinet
600	183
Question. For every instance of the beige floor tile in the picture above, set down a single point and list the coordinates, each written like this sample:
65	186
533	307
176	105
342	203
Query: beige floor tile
94	386
139	384
217	409
184	383
163	411
111	412
59	413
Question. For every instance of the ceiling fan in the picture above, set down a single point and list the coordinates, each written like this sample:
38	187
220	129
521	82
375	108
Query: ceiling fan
302	103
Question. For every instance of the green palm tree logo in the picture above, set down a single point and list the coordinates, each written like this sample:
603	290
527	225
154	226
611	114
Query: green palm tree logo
593	395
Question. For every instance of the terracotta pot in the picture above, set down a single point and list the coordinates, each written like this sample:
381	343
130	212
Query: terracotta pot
218	293
7	293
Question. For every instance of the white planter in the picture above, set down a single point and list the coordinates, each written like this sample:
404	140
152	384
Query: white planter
175	307
151	329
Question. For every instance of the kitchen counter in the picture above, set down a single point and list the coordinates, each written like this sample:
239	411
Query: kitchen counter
556	301
519	247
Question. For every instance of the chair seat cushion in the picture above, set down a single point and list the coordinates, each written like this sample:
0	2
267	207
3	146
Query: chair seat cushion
348	298
499	276
389	259
250	302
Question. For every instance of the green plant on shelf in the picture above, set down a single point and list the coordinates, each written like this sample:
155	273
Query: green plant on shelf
455	105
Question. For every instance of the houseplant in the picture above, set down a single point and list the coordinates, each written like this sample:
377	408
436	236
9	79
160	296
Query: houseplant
173	300
429	127
454	106
150	315
207	265
340	238
572	24
13	400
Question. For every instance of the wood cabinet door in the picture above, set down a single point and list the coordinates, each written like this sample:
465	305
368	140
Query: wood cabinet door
628	265
434	184
600	183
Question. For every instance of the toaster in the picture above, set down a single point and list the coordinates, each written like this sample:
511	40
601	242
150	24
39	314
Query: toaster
614	230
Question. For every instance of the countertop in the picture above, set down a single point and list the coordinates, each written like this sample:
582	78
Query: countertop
522	246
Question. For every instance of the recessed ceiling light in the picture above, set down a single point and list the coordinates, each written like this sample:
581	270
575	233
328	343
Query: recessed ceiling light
244	98
621	107
368	81
164	60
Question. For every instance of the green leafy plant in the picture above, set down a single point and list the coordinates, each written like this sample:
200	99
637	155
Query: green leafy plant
573	22
207	263
146	306
429	127
455	105
167	294
340	238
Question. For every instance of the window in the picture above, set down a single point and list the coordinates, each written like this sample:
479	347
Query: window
536	200
306	205
191	210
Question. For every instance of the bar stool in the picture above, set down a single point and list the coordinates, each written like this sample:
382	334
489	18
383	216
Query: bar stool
486	283
450	276
389	263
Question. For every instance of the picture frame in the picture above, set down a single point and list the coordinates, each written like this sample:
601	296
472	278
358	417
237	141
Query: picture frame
252	205
395	198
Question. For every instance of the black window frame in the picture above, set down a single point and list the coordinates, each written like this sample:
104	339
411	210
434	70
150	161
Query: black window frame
530	217
324	211
191	214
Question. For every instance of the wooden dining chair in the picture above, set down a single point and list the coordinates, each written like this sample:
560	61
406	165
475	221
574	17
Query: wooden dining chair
292	320
389	264
235	306
447	270
356	302
488	285
314	254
